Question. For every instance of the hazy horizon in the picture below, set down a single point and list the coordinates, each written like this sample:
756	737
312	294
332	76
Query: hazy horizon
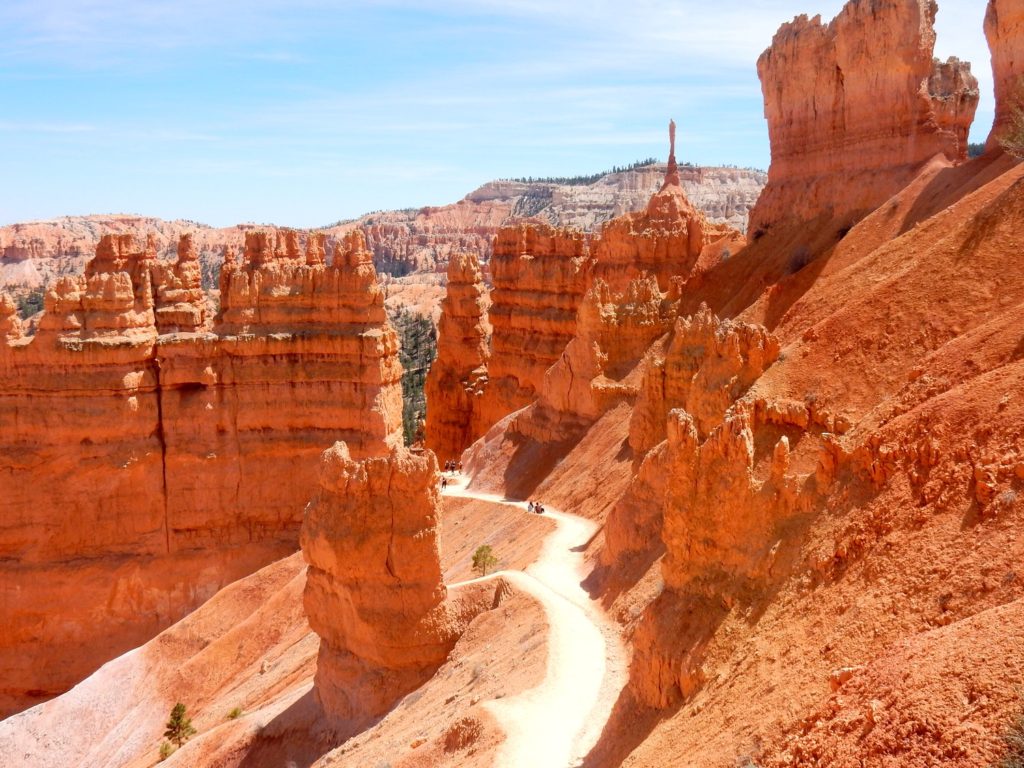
305	113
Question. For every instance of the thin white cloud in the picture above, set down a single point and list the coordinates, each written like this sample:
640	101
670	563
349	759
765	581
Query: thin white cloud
9	126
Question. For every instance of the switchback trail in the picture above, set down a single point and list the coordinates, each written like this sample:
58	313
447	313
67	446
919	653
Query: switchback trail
558	722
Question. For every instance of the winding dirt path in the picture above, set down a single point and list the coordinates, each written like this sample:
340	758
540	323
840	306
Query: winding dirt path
558	722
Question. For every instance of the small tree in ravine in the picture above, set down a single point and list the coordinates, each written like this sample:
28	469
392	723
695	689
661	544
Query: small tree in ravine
179	726
484	559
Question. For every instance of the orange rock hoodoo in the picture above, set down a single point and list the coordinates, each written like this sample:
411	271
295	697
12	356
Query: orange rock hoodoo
458	375
856	107
698	370
810	478
374	592
665	240
572	322
180	300
142	468
639	264
10	323
1004	28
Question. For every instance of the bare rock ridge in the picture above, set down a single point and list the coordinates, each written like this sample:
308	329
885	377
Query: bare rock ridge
1004	29
458	375
161	464
856	107
699	368
374	592
827	463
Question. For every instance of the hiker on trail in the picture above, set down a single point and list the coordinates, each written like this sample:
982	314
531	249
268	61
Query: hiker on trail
444	483
460	468
529	506
538	508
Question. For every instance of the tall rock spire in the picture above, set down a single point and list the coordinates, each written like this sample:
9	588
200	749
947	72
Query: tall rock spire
672	173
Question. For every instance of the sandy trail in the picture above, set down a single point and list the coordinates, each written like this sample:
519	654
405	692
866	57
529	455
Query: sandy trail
558	722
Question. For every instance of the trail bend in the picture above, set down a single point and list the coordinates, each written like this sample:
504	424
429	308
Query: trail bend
559	721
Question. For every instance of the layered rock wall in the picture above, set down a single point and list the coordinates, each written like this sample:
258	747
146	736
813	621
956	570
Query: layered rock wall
856	107
700	369
540	276
458	376
596	370
705	365
141	471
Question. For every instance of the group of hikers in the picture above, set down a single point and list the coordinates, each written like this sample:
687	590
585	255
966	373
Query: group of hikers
452	467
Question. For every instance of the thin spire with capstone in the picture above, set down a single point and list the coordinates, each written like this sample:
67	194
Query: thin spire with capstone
672	173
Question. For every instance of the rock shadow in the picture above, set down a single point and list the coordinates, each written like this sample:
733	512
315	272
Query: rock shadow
532	462
299	736
952	184
607	582
670	641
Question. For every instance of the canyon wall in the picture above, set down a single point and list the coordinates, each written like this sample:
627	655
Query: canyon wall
856	107
458	376
1004	29
540	275
141	471
836	495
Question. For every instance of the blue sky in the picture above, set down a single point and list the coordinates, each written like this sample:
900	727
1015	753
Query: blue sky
305	112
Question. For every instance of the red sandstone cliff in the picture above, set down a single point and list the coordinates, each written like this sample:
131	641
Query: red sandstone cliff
1004	28
826	457
140	471
540	275
855	108
814	554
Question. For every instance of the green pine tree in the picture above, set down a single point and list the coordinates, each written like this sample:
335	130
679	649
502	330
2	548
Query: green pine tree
484	559
179	727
